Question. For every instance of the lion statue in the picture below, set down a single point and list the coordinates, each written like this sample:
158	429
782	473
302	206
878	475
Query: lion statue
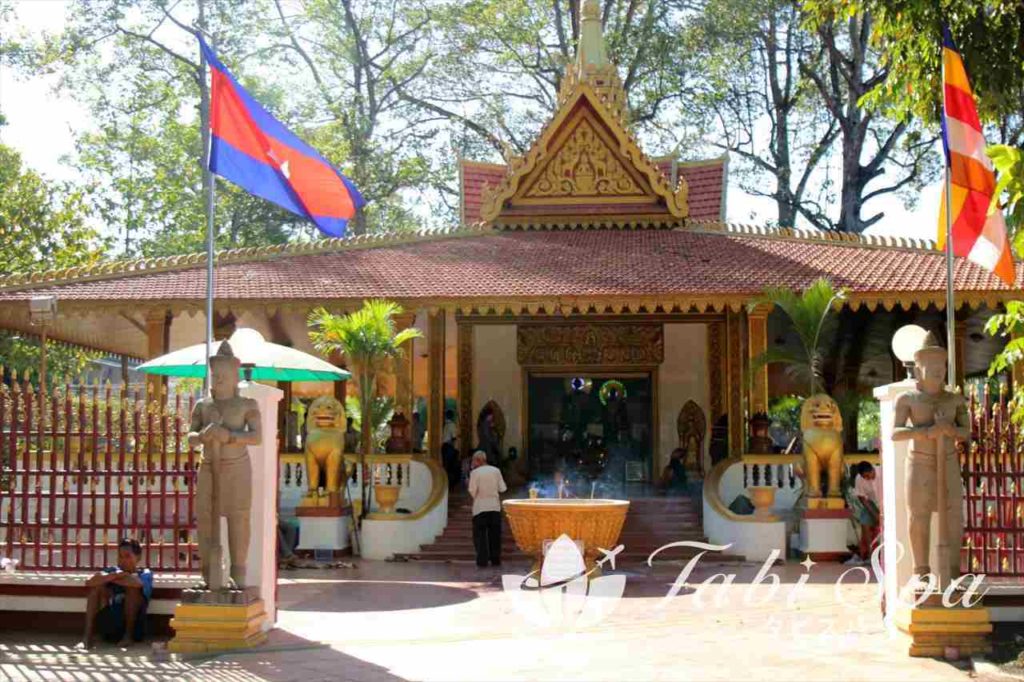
325	444
822	427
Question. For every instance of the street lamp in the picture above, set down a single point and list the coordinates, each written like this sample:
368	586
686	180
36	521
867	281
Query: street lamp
905	342
42	311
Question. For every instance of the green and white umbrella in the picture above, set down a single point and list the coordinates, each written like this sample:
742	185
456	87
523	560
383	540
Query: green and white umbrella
261	361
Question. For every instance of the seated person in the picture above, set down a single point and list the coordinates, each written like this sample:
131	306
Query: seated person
673	477
118	598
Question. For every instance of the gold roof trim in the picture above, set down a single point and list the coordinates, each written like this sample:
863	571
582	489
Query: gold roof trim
853	239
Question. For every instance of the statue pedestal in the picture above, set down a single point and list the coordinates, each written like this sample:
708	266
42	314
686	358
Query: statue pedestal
206	621
823	534
323	527
930	630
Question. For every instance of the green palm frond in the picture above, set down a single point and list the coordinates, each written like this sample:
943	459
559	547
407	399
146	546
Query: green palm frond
808	311
367	337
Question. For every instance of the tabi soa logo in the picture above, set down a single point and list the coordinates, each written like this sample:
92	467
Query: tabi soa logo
565	594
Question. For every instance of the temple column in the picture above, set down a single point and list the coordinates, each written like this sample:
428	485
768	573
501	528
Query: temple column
404	368
435	377
757	337
735	333
465	360
158	342
960	337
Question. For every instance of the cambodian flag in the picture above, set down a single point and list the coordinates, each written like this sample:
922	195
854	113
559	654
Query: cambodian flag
255	151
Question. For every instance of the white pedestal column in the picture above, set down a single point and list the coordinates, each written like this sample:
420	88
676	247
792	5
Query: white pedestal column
323	532
823	534
261	564
895	525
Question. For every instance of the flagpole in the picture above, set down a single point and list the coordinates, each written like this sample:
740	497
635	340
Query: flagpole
210	199
950	303
950	306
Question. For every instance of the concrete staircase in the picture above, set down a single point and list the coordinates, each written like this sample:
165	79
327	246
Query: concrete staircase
652	522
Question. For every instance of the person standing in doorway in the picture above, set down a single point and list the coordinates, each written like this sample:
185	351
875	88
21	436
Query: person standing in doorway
351	436
485	487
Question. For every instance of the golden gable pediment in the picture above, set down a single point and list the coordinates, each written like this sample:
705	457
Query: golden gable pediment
586	156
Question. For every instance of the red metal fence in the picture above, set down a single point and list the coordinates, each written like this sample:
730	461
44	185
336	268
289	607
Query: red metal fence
992	466
86	466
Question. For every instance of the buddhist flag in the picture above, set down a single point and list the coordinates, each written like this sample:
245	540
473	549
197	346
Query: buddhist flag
979	234
255	151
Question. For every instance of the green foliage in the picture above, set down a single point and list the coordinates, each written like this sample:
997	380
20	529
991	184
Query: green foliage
21	353
1009	164
989	33
383	410
808	312
42	225
869	425
1009	325
784	412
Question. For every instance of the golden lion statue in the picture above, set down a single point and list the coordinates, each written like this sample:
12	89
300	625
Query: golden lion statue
822	427
325	444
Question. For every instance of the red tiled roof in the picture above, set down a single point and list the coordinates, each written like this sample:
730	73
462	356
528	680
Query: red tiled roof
475	177
542	264
705	180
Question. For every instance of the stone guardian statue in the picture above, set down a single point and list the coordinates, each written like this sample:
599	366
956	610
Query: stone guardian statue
933	419
224	424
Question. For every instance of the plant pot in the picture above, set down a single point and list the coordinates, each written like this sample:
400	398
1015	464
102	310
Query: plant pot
387	497
763	497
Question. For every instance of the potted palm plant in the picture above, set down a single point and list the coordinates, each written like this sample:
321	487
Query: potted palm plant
370	342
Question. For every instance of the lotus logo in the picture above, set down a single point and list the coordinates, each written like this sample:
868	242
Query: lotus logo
566	594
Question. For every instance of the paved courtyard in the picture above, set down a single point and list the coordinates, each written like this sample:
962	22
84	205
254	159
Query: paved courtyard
421	621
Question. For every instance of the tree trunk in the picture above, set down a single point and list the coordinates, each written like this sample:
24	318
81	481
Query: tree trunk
366	391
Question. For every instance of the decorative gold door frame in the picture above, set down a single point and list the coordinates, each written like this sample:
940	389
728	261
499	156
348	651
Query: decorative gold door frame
629	372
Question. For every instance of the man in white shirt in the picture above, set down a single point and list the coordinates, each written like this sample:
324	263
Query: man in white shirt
485	487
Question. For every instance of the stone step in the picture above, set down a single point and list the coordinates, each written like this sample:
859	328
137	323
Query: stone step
624	557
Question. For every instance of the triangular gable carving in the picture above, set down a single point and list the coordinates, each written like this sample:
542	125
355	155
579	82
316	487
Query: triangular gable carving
584	156
584	165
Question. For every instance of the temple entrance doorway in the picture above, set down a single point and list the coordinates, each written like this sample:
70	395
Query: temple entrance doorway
591	433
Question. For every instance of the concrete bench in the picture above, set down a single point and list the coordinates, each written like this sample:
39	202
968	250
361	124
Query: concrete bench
55	601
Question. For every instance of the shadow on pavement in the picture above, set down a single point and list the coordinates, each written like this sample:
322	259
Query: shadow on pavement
284	658
370	595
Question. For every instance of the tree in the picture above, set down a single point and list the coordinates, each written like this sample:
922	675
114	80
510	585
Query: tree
760	105
846	71
807	311
135	64
908	35
42	225
359	57
786	98
369	341
495	66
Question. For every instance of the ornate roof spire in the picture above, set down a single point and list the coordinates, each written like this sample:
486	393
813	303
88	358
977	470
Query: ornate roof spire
593	66
591	50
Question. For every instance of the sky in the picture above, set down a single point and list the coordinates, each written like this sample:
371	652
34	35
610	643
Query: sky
41	126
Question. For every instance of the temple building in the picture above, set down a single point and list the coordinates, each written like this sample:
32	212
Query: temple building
591	293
